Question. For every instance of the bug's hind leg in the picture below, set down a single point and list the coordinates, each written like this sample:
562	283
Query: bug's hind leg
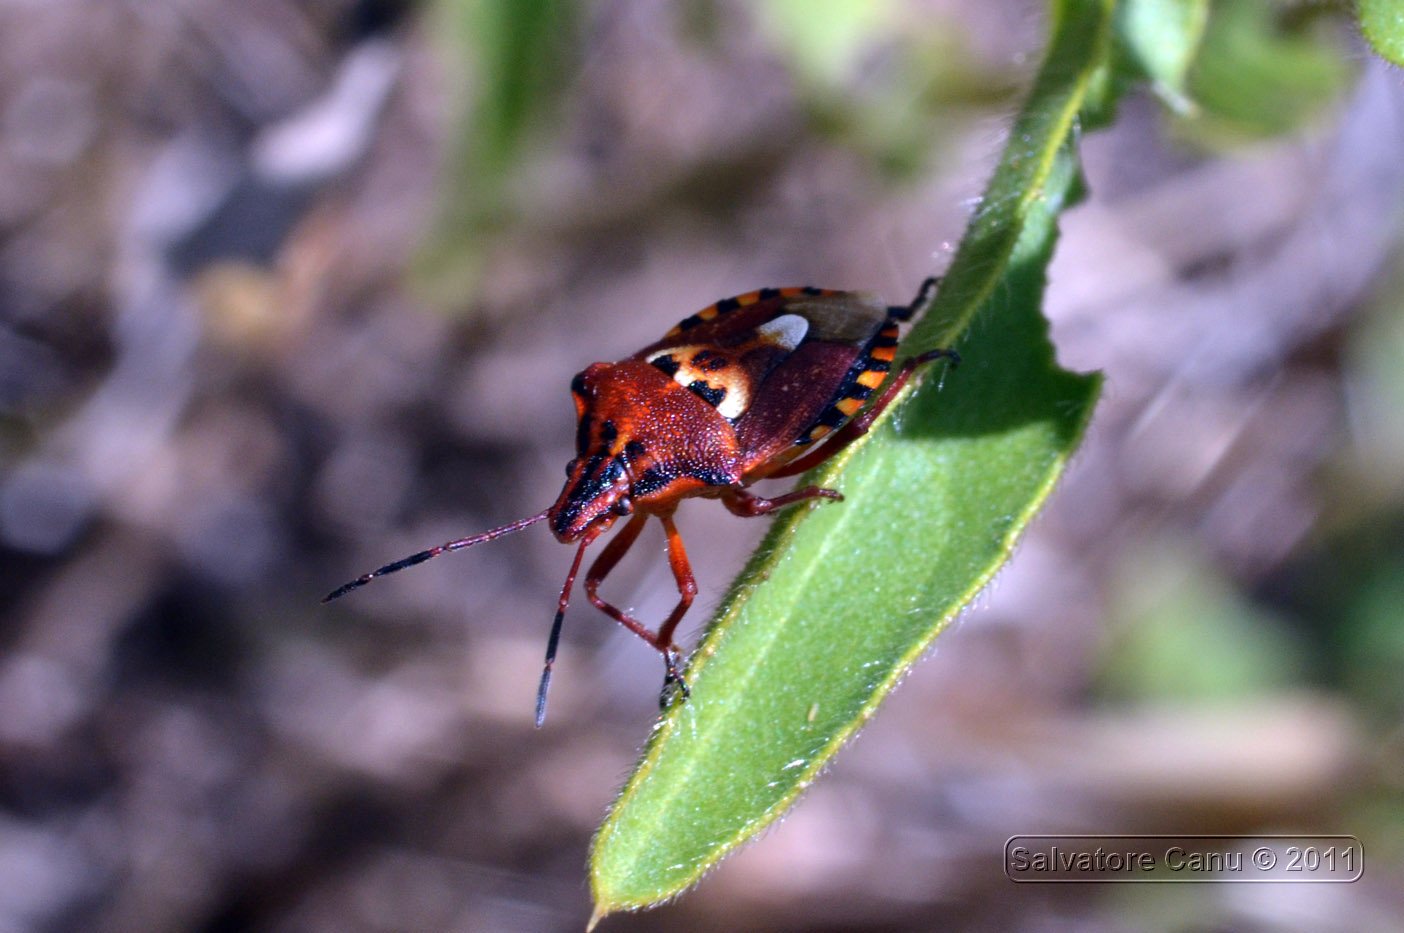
924	294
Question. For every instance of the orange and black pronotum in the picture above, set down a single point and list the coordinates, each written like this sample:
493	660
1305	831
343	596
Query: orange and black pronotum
741	391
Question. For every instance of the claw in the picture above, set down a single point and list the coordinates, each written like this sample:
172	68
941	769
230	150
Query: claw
673	681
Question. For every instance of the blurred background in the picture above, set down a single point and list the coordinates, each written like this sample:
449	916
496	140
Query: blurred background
291	289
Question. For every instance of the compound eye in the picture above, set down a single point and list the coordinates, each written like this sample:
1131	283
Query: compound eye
570	468
623	507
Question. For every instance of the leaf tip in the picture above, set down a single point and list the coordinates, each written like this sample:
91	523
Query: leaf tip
1174	97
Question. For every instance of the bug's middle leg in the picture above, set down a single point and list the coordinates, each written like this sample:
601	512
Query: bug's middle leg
748	505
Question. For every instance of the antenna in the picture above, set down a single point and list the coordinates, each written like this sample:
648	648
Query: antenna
422	556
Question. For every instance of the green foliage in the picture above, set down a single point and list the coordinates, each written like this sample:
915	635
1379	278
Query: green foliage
1382	21
1159	40
1170	606
825	40
1261	72
1373	620
877	80
513	54
840	600
1354	578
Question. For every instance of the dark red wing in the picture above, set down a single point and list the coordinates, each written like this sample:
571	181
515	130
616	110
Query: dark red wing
793	401
785	365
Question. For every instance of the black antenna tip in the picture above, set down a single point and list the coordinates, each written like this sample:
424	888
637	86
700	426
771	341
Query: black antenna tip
401	564
541	697
342	590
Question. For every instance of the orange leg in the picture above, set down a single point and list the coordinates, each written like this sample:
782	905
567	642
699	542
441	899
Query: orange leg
618	546
687	590
682	574
859	426
748	504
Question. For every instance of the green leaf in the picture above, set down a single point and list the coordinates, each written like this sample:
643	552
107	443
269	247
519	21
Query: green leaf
1167	604
1154	41
1264	70
1160	38
825	41
1382	21
515	56
840	600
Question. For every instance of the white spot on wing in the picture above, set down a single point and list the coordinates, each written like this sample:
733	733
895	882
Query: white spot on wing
731	381
734	403
786	331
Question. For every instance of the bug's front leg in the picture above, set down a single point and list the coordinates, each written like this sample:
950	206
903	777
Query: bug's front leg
616	549
687	590
748	505
662	642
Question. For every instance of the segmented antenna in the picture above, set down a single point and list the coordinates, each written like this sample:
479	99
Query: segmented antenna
422	556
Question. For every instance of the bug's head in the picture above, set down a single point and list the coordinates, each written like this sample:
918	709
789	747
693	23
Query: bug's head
638	431
598	479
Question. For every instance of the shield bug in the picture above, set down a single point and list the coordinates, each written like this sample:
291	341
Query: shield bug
760	386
